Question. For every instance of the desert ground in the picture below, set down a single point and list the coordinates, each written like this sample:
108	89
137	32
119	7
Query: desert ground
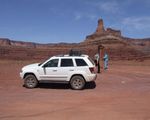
121	93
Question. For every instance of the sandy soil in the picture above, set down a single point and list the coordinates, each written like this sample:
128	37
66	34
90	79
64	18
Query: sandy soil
121	93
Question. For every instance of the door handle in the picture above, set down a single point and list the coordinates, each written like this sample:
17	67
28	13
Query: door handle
71	70
54	70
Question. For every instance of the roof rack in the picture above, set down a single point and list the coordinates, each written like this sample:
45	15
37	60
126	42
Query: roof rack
61	55
74	52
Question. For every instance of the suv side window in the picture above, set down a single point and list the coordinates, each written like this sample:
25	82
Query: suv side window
66	63
52	63
80	62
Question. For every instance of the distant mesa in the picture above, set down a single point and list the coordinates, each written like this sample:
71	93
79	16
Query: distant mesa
5	41
8	42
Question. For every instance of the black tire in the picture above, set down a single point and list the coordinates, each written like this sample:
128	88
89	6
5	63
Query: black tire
77	82
30	81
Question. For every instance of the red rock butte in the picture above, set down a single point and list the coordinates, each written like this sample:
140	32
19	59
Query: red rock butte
101	32
100	27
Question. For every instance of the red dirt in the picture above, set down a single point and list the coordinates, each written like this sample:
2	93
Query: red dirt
121	93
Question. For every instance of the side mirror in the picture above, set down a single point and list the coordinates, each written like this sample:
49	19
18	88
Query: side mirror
44	66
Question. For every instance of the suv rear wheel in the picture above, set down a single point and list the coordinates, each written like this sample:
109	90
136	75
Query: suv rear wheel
30	81
77	82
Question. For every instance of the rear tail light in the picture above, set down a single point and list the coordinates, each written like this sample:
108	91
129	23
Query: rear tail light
91	69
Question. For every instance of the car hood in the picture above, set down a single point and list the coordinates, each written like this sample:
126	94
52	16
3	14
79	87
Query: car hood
31	66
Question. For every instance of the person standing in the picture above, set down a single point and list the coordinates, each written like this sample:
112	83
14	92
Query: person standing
105	58
97	62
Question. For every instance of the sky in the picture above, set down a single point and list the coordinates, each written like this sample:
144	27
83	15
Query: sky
70	21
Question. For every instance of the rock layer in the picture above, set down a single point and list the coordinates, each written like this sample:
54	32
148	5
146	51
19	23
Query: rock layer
117	46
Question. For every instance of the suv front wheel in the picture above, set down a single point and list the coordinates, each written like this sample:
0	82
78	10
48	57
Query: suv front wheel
77	82
30	81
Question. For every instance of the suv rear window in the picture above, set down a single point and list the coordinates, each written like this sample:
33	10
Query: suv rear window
66	63
80	62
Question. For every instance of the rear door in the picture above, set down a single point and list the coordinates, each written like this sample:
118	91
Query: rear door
66	66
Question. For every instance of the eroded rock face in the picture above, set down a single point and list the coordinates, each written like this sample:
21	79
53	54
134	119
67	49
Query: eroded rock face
113	32
23	44
8	42
5	42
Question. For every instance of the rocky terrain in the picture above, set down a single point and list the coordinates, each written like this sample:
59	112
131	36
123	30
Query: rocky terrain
117	46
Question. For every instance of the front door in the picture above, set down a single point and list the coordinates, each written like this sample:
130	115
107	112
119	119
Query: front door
57	69
50	70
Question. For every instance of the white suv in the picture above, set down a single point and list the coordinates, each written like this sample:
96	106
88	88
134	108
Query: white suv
75	70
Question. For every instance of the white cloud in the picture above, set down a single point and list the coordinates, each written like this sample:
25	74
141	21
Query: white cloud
78	16
109	6
92	16
138	23
82	15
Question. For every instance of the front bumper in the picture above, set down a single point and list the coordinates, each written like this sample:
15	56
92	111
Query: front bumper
21	75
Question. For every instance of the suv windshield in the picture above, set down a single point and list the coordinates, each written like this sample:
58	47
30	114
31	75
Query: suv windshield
42	62
52	63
